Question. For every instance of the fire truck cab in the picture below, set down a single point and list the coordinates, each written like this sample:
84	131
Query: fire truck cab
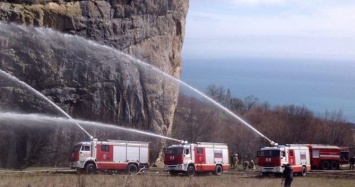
271	159
192	158
111	156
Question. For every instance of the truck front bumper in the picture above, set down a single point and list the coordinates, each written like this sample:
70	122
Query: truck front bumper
178	167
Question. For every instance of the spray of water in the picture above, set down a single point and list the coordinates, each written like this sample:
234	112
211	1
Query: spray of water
158	71
10	117
84	42
153	68
16	80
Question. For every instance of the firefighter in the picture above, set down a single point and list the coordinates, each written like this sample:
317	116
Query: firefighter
235	161
287	175
231	161
245	165
352	162
252	165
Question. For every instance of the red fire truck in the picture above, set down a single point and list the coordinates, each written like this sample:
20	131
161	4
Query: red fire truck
271	159
302	157
191	158
328	156
110	155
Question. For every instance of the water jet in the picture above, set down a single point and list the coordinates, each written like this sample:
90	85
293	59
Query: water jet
35	118
85	44
23	84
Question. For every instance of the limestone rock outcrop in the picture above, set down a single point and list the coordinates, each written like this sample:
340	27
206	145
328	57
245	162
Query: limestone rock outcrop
87	79
151	31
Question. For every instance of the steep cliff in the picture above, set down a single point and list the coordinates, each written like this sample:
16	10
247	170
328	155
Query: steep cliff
90	81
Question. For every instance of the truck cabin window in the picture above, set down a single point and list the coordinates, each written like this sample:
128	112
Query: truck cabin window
85	148
270	153
187	151
77	148
199	150
105	148
175	150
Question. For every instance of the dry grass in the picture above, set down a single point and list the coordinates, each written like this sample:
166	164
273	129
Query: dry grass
153	179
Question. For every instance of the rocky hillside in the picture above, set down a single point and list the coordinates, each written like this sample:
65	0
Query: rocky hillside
87	80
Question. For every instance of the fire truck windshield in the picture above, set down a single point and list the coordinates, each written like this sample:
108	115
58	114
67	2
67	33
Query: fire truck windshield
269	153
174	150
77	148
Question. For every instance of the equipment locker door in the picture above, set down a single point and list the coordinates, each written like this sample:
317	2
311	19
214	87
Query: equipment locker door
104	156
291	157
200	158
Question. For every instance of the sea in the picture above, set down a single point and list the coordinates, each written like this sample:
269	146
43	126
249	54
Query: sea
319	85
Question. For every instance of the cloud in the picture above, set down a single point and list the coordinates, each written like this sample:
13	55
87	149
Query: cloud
308	28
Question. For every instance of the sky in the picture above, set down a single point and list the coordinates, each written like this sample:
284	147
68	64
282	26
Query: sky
311	29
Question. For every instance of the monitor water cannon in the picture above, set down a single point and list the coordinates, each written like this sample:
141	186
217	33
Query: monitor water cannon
272	143
184	142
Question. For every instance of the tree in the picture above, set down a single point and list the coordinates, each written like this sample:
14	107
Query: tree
216	93
193	121
219	94
335	129
298	120
237	105
250	102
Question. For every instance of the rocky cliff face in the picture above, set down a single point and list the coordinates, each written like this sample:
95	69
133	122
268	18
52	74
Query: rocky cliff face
90	81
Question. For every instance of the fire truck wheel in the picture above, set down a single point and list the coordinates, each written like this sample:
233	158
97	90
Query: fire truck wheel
334	165
218	170
190	170
325	165
90	168
304	171
132	168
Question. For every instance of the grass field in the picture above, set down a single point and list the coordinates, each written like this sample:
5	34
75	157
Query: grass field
162	179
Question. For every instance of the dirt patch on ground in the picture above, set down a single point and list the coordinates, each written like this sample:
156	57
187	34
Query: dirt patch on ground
336	174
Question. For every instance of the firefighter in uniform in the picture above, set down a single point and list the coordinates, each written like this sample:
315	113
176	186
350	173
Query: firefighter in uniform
351	162
252	165
231	163
245	165
235	161
287	175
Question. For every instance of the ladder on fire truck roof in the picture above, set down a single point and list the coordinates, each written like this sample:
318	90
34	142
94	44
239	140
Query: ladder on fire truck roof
125	141
210	143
